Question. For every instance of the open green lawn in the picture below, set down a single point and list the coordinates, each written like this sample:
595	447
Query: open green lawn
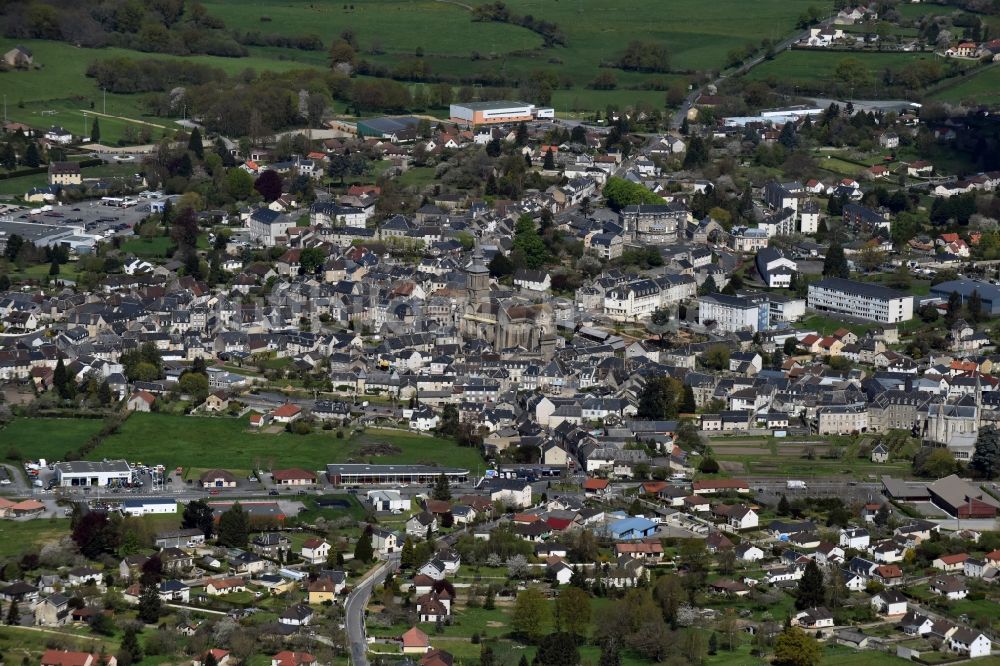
158	247
51	439
826	325
980	88
20	643
20	536
19	186
228	443
417	177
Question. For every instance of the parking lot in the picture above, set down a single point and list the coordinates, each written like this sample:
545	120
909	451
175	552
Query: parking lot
89	217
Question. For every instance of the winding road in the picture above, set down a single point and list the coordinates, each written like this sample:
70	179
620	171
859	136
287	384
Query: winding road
354	611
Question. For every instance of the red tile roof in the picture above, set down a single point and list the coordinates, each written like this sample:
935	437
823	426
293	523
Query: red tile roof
66	658
414	638
293	475
287	410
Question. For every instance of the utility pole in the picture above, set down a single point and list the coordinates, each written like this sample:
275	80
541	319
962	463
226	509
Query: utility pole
105	91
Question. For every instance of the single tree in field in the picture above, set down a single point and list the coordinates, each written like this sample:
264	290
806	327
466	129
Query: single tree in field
794	647
530	614
95	132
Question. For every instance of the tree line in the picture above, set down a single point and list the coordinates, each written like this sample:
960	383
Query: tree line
130	75
498	12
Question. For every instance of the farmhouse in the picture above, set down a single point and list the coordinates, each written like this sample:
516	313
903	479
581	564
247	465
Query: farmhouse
19	56
65	173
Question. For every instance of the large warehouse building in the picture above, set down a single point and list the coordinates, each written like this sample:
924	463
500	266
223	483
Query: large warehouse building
98	474
497	113
989	294
354	474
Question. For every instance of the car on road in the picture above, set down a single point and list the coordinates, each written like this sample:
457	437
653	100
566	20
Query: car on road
213	491
272	492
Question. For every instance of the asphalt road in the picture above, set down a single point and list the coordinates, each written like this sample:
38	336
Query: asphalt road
354	612
678	118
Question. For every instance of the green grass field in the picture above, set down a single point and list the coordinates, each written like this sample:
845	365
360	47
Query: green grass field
217	442
19	536
391	23
59	92
980	88
810	66
28	644
158	247
697	36
46	438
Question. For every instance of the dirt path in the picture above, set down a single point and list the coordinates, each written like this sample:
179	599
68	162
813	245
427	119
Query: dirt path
128	120
456	3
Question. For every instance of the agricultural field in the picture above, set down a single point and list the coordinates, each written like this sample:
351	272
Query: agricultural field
809	66
697	37
183	441
59	92
983	87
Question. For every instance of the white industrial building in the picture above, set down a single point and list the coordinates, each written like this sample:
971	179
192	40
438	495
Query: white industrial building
497	112
94	474
861	300
149	505
388	500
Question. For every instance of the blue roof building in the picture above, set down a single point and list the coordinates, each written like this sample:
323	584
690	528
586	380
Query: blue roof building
631	528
